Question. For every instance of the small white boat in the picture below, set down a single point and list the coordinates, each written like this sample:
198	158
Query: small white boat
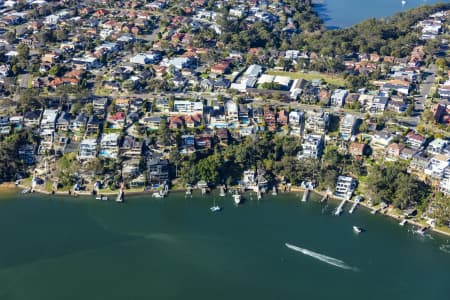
222	192
357	229
157	195
274	191
237	198
403	2
98	197
104	198
215	208
374	211
403	222
26	191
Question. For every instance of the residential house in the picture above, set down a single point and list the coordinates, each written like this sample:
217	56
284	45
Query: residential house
231	111
312	146
176	122
187	107
317	122
116	120
296	122
223	135
193	121
243	114
438	167
5	126
162	104
93	125
130	168
150	121
382	138
187	144
79	123
99	106
203	142
122	104
415	140
88	149
63	122
439	146
270	118
338	97
157	170
282	118
393	151
48	120
357	149
348	126
379	104
345	187
131	147
109	145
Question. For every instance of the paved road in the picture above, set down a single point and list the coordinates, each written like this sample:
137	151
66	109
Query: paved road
425	86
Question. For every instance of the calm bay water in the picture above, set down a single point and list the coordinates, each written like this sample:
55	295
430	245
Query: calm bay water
173	248
344	13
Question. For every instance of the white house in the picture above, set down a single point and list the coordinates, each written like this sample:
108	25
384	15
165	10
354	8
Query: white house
296	122
345	187
338	97
312	146
438	167
88	149
348	126
187	107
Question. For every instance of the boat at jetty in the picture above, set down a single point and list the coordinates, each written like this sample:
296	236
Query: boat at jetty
422	230
274	191
403	222
355	204
222	191
305	195
104	198
237	198
26	191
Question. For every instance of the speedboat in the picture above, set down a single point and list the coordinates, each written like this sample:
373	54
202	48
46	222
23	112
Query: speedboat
357	229
215	208
104	198
98	197
403	222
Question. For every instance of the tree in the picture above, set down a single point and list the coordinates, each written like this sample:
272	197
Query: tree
163	132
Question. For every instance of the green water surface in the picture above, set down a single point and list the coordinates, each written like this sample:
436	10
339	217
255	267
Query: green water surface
175	248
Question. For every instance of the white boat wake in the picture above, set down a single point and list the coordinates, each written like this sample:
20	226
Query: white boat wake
323	258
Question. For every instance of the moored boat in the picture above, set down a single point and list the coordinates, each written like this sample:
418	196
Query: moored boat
357	229
403	222
215	208
237	198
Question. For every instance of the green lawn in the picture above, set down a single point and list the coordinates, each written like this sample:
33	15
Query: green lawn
330	79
